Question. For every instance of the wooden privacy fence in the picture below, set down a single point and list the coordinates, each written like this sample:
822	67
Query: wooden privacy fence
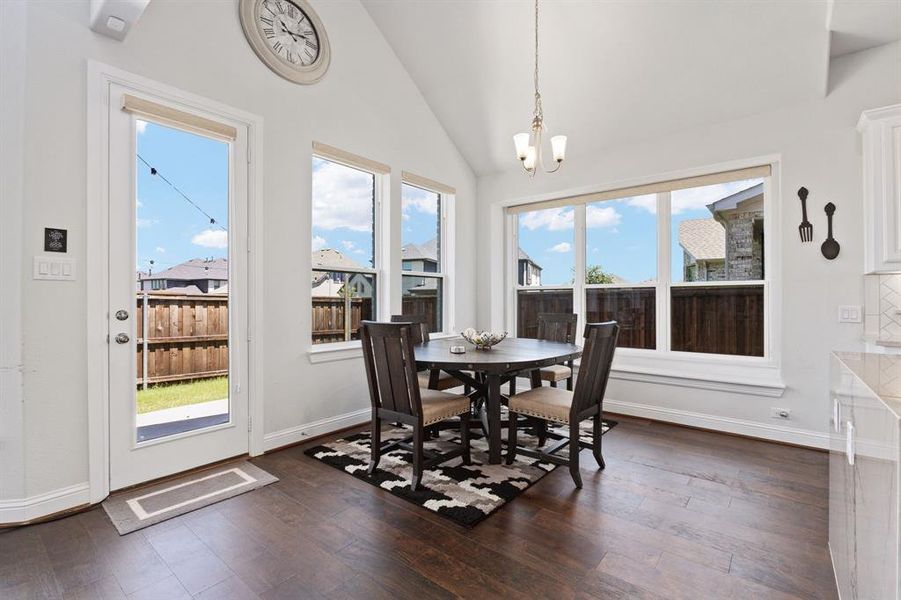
329	324
725	319
181	337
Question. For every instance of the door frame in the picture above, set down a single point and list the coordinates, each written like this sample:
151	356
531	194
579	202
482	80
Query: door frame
99	77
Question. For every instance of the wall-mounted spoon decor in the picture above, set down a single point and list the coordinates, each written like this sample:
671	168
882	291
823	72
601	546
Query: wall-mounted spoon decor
830	247
805	229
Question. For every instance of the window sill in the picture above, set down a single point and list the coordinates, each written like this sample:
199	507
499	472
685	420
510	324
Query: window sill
736	375
322	353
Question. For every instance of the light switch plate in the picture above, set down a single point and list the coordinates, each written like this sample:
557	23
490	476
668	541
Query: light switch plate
849	314
53	268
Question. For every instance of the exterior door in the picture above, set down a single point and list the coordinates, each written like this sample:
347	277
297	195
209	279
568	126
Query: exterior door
177	282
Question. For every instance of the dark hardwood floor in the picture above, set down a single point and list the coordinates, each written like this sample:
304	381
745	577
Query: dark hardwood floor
678	513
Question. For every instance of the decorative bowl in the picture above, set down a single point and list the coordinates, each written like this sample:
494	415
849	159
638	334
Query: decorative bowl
483	340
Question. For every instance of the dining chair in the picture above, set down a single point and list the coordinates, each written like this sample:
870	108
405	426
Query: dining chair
568	408
557	327
434	379
397	397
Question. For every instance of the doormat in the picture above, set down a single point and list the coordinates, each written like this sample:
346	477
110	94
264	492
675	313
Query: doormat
465	494
139	508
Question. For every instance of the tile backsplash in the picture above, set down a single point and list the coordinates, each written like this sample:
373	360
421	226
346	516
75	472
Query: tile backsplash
882	307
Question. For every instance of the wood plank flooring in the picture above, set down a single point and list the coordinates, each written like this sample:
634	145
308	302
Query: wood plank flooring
678	513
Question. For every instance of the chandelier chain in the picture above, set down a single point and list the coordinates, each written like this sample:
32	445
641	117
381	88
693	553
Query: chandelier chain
539	113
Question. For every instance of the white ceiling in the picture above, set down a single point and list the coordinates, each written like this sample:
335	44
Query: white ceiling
860	24
612	71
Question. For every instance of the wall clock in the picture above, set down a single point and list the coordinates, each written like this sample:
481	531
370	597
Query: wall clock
288	36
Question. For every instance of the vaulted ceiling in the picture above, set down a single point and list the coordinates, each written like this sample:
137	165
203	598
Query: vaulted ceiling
612	71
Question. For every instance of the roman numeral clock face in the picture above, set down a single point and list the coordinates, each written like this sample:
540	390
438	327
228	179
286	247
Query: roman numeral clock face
288	37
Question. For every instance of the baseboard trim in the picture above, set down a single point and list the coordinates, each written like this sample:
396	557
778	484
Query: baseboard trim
754	429
307	431
24	510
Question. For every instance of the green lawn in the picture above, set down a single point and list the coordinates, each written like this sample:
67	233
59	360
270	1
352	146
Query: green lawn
182	394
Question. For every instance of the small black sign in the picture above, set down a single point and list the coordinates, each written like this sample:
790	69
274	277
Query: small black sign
55	239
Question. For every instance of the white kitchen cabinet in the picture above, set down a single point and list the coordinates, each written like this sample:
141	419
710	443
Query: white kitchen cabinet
864	463
880	129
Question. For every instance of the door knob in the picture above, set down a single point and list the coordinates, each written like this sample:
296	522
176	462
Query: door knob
121	315
122	338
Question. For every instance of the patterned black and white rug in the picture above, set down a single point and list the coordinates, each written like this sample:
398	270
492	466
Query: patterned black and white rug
463	494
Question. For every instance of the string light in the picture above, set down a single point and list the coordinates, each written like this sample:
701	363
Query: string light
155	171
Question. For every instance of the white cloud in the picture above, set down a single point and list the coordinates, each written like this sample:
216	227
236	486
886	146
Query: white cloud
211	238
141	126
342	198
647	202
602	216
319	243
562	247
692	198
552	219
138	202
145	223
160	250
700	197
351	246
426	203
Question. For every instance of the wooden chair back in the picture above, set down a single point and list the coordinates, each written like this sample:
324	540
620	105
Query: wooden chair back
557	327
391	367
594	370
421	333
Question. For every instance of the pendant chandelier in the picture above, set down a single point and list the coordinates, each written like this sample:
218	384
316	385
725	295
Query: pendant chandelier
528	145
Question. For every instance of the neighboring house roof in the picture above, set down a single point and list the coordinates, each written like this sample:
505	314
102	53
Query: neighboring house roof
424	251
704	239
731	202
187	290
194	269
524	256
334	260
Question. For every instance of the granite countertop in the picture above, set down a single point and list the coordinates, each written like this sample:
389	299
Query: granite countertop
879	372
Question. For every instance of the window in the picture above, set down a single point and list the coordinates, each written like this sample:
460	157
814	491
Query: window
680	265
344	275
621	267
545	266
422	280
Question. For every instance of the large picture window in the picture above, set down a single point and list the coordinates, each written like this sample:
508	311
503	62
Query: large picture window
680	265
422	233
545	266
344	274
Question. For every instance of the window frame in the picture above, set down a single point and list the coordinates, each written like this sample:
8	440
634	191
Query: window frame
380	270
747	374
446	199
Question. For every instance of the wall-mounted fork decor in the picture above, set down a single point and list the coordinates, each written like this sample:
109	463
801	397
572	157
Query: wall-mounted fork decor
830	247
805	229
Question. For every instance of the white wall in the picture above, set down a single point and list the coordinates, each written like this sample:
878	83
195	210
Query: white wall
366	104
820	150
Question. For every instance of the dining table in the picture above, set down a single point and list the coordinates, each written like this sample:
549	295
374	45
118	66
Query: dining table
486	370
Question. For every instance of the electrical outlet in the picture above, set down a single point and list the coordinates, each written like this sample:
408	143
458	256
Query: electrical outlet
780	413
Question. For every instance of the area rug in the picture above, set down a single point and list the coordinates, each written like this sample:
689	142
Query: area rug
464	494
139	508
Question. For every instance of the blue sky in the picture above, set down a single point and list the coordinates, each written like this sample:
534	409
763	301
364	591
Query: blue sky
170	230
620	236
419	214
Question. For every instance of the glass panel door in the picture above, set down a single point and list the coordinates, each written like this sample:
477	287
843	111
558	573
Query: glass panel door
182	303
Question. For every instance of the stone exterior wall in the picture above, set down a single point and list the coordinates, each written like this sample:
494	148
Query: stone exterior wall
744	247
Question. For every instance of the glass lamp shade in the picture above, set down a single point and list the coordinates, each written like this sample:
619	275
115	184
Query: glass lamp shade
521	141
558	146
529	161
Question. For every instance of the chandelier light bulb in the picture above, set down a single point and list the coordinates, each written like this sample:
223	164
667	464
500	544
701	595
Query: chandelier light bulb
529	161
521	141
558	146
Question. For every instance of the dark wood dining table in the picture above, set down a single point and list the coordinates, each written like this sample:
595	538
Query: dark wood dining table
485	371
